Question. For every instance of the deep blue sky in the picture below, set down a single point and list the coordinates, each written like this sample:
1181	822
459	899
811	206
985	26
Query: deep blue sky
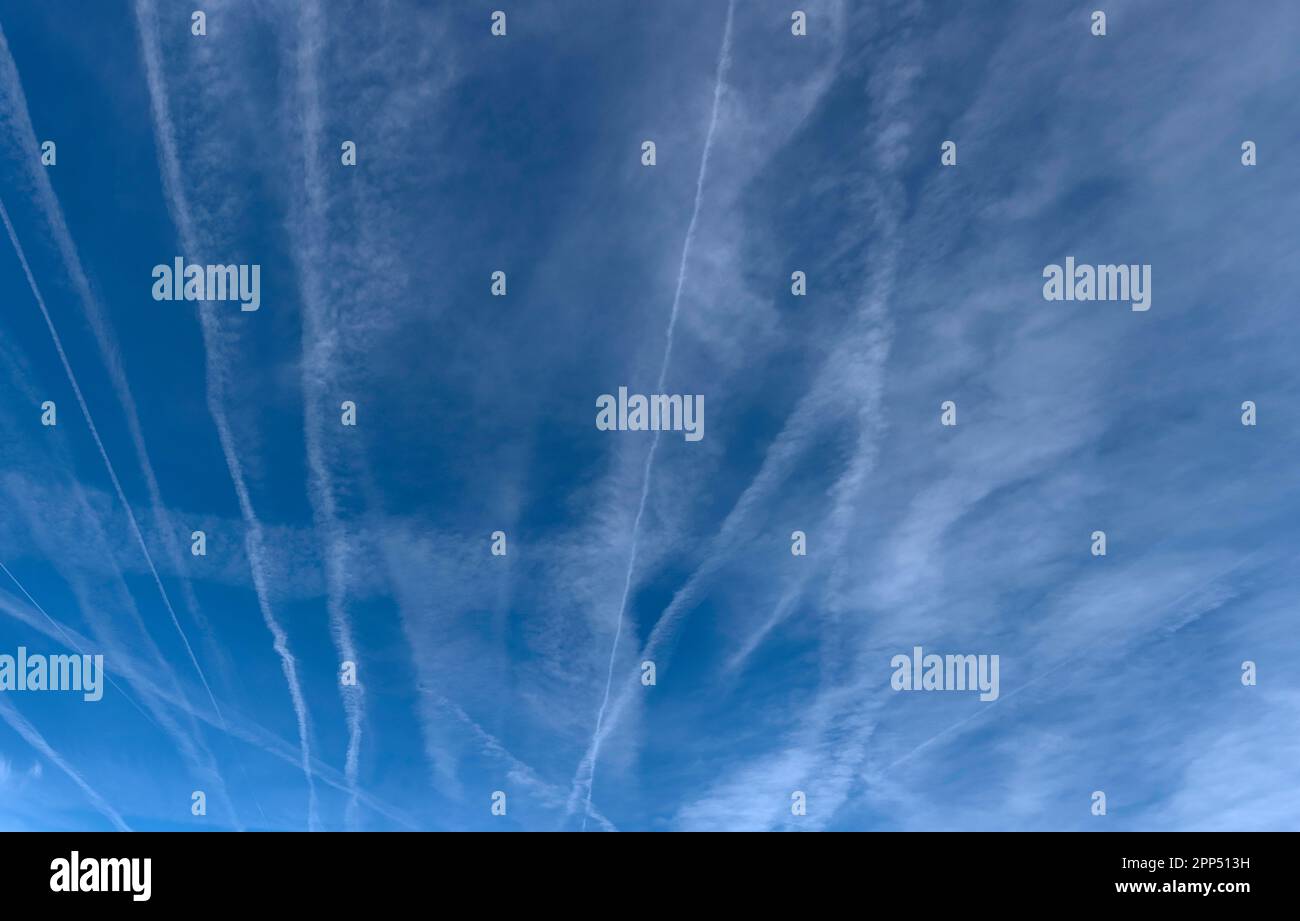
476	414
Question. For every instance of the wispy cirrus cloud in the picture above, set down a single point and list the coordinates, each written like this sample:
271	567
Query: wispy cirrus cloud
519	153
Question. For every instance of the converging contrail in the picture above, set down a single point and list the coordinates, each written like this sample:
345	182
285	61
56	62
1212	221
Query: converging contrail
724	60
112	474
216	372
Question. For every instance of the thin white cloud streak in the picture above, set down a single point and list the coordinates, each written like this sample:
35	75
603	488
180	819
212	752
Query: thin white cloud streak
318	344
546	793
11	88
112	474
68	639
19	117
191	746
37	741
777	464
217	370
189	749
298	573
236	727
433	705
855	368
844	496
324	342
724	60
799	433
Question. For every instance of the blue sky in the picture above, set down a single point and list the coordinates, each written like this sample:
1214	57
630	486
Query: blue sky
475	413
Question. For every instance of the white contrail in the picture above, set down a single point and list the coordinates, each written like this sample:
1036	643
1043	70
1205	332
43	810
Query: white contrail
873	342
37	741
317	350
724	59
216	371
198	758
868	344
777	463
434	705
71	643
189	750
112	474
236	727
543	791
20	118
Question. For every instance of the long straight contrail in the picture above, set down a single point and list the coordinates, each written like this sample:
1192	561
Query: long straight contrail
192	748
187	745
37	741
236	728
11	89
112	474
216	371
857	363
71	643
724	60
20	118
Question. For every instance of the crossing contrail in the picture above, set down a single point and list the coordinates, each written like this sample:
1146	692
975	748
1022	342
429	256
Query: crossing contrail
112	474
